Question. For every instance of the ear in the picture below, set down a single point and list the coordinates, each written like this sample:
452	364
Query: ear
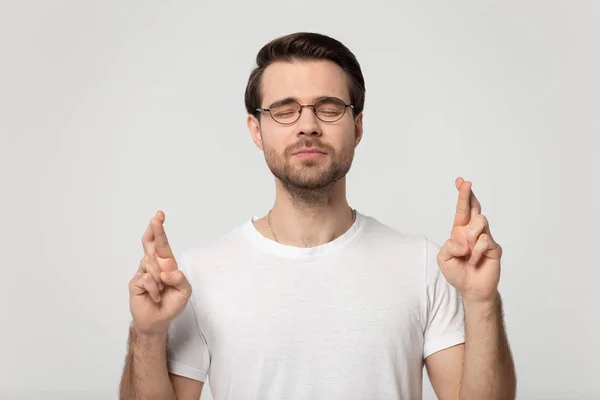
358	129
254	128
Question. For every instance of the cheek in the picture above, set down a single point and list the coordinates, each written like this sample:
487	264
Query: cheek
345	137
276	139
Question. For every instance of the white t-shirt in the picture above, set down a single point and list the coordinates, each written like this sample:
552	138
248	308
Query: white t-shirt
350	319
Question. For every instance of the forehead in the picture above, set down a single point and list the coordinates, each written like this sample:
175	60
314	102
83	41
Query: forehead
304	80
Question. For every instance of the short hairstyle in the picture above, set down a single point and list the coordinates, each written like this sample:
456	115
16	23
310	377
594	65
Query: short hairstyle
305	46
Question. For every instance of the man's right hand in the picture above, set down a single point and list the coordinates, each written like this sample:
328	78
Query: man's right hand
159	291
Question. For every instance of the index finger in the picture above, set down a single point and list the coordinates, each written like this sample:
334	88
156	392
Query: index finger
161	243
463	206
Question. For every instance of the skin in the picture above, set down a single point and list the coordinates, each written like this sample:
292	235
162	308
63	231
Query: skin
311	209
158	292
310	206
470	259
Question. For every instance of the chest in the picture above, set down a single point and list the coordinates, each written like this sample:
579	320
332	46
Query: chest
285	312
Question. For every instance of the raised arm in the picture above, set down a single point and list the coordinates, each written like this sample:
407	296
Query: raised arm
470	261
158	293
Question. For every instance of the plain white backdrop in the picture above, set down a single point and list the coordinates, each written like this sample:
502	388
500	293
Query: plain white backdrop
112	110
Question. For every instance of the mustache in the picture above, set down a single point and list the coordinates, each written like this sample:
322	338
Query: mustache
308	143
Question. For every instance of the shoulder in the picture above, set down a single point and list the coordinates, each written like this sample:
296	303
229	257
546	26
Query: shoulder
383	234
208	252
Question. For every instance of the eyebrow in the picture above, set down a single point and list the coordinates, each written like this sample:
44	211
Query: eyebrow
291	99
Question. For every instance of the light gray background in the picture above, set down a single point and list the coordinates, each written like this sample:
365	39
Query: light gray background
112	110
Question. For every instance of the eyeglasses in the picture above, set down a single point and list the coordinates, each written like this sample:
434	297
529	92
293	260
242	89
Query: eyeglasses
288	111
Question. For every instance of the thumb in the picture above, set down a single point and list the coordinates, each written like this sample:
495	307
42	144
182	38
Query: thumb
451	249
177	280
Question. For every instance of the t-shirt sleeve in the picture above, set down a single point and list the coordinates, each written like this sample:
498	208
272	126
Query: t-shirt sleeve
187	349
445	325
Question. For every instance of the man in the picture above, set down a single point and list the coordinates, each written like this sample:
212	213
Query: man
316	300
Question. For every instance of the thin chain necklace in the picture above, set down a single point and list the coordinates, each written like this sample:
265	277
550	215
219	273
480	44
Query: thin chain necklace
275	237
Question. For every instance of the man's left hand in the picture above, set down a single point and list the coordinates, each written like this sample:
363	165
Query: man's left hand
470	258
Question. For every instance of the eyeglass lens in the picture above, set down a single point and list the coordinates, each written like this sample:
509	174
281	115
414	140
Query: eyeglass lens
327	110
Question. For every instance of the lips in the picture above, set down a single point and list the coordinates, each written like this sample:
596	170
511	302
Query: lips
310	151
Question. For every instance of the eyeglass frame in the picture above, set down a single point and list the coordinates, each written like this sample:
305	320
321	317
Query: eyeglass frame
302	106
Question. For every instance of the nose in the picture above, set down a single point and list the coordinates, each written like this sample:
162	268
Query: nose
308	123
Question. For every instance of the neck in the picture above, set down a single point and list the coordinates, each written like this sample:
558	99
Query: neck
311	217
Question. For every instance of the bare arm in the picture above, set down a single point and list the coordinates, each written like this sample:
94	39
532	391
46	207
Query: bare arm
159	292
482	368
470	260
488	370
145	375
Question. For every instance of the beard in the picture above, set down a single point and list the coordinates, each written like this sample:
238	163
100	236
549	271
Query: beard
309	181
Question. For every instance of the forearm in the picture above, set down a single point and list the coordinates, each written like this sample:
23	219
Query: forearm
145	376
488	368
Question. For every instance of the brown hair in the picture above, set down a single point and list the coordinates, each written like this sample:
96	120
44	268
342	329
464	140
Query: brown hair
306	46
